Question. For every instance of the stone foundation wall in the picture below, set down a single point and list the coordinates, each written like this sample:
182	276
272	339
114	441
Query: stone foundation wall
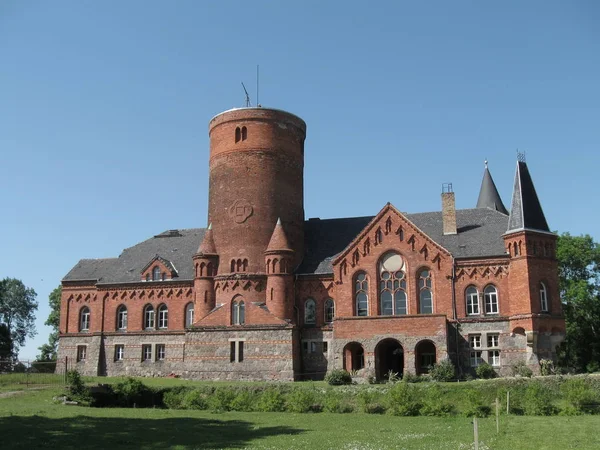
316	349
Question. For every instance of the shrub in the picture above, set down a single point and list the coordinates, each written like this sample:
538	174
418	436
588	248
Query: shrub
393	377
338	377
412	378
133	392
592	367
547	367
485	371
520	369
243	401
271	400
76	389
403	401
435	403
475	405
538	400
443	371
221	399
173	398
580	397
300	401
370	401
336	403
194	399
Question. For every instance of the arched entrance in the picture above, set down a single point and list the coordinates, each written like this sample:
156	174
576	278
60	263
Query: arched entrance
425	356
389	357
354	356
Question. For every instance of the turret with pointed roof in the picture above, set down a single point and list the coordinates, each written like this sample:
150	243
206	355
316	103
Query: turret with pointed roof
207	246
280	282
206	262
488	194
279	241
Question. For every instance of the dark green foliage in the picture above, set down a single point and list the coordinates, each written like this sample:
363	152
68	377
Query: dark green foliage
301	401
48	351
476	405
580	397
76	389
17	311
485	371
221	399
520	369
443	371
547	367
413	378
435	403
173	397
5	344
338	377
335	402
244	401
403	400
133	393
538	400
194	399
271	400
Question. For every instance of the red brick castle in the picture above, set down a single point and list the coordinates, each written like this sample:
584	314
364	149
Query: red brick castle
264	294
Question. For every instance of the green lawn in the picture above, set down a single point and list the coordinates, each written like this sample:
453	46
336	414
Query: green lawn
30	420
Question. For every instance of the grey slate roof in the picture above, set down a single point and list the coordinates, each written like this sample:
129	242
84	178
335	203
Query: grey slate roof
525	211
479	235
488	194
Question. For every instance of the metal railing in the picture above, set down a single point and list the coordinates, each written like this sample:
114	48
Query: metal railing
31	373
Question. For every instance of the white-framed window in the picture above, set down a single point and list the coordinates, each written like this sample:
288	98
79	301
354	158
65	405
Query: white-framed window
84	319
494	358
472	301
189	314
156	275
314	346
163	317
493	340
236	352
392	285
149	317
147	352
119	352
475	340
361	294
81	353
543	297
476	359
238	312
122	317
329	310
160	352
491	299
310	312
425	293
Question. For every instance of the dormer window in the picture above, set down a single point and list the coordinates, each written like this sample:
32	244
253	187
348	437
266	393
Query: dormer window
156	275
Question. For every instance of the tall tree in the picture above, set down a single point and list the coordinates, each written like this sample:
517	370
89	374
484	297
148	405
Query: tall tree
48	351
579	284
17	311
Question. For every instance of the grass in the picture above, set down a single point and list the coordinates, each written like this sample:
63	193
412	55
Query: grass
32	420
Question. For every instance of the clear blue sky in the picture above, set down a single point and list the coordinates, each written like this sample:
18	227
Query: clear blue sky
104	109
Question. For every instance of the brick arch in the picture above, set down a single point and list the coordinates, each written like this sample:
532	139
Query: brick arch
354	356
425	355
389	357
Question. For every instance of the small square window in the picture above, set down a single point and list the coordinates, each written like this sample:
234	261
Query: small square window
81	352
147	352
119	352
160	352
493	340
313	347
475	340
494	358
236	351
475	359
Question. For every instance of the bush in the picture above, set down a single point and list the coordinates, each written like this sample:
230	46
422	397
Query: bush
301	401
133	392
443	371
338	377
194	399
173	398
435	403
243	401
76	389
403	401
412	378
370	401
485	371
547	367
221	399
476	406
538	400
271	400
592	367
520	369
336	403
579	396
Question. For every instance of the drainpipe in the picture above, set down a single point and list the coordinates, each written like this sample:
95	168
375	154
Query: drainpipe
455	315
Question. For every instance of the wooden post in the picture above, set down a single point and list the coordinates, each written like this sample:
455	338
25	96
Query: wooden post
497	415
476	433
507	402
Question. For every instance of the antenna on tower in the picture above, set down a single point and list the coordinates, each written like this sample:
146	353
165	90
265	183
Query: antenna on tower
257	73
247	96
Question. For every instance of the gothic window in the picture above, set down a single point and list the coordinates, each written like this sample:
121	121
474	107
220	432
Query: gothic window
84	319
392	285
425	294
244	133
361	294
490	294
238	312
238	134
163	317
156	276
543	297
148	317
189	314
472	301
122	317
378	236
329	310
310	309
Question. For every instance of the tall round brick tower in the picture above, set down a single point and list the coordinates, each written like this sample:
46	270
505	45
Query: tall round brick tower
256	176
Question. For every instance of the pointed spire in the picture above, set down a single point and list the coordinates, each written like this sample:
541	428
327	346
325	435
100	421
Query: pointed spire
279	240
488	194
526	211
207	246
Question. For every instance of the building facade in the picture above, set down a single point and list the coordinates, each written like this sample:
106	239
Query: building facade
263	294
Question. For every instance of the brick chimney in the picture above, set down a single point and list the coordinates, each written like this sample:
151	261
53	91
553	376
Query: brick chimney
448	209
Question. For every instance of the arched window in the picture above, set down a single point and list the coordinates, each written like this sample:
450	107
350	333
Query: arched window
122	317
84	319
310	309
149	317
189	314
244	133
238	134
543	297
472	301
329	310
490	294
156	274
163	317
392	285
425	294
238	312
361	294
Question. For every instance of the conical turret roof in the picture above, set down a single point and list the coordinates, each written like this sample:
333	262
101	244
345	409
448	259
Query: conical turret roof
525	211
488	194
279	240
207	246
